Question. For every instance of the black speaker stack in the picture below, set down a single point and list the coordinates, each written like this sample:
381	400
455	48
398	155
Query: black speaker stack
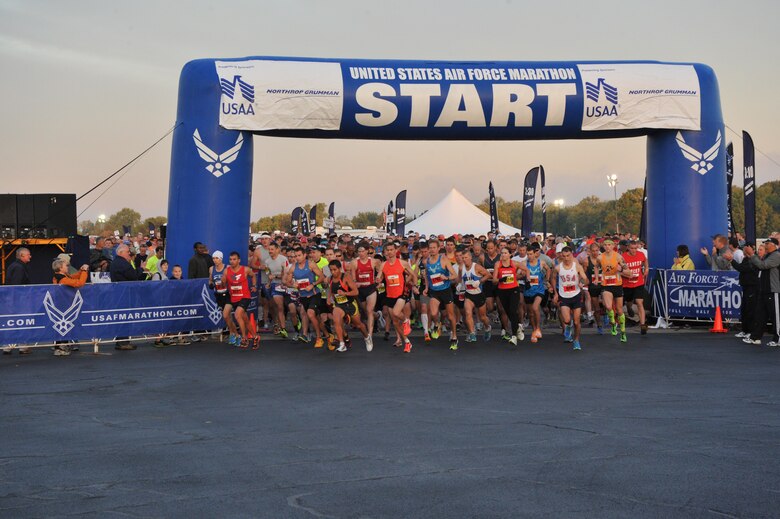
38	216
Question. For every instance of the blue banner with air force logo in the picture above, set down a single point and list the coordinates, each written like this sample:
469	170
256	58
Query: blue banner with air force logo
47	313
696	293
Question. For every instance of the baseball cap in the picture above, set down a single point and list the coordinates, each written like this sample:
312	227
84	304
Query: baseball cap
770	240
217	254
64	257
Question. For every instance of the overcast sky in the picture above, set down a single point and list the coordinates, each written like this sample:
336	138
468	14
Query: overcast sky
87	85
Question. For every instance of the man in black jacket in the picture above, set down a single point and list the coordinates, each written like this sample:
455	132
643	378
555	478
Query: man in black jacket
748	280
200	262
17	273
122	269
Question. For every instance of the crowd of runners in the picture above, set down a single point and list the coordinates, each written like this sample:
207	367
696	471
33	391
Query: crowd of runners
468	287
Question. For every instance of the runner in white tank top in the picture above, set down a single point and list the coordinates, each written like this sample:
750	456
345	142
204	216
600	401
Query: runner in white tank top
568	275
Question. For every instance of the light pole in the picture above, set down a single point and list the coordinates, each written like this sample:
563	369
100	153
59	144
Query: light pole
612	180
101	223
559	203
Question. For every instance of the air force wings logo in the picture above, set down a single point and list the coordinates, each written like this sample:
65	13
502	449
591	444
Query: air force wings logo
217	163
62	322
701	162
214	313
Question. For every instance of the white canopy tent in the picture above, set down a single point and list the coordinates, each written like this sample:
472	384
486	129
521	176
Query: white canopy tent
454	214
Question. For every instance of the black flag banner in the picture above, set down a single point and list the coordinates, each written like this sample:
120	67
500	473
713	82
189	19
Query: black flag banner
389	227
493	209
304	222
529	196
729	186
749	179
295	220
313	218
544	204
330	222
400	213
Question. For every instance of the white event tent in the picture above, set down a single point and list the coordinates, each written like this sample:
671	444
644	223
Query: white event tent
454	214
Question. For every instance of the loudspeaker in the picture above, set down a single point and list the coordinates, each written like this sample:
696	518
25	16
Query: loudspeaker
163	231
25	216
55	215
8	217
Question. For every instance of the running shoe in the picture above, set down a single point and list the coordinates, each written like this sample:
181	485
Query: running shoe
407	327
407	347
537	333
576	346
606	320
342	348
508	338
319	343
369	343
748	340
513	340
283	333
427	337
600	330
435	333
534	339
256	341
773	344
488	333
478	326
454	343
233	340
567	333
304	338
613	328
472	337
520	333
623	337
244	344
298	326
643	329
741	335
382	322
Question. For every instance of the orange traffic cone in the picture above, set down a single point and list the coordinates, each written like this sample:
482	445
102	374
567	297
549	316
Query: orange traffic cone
252	325
718	327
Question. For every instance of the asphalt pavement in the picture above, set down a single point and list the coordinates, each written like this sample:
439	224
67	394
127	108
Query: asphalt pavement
672	424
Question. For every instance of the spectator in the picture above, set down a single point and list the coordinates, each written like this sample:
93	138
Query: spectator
161	274
176	274
200	262
141	256
683	260
122	269
768	304
66	258
18	274
748	280
154	260
62	276
720	245
734	248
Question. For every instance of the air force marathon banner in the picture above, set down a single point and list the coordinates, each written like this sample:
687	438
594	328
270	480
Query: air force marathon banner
419	100
696	293
47	313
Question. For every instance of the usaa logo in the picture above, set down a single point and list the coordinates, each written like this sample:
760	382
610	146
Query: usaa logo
593	93
242	89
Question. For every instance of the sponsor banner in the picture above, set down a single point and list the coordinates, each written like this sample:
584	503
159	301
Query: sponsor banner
47	313
262	95
400	213
493	209
529	197
749	183
625	96
295	220
696	293
729	187
544	203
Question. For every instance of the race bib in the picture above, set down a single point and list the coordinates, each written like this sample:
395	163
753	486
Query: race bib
437	280
610	279
394	280
236	290
364	276
279	289
303	284
509	278
534	280
340	299
380	288
472	284
569	288
462	296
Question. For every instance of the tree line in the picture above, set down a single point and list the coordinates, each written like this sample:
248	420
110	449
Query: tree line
589	215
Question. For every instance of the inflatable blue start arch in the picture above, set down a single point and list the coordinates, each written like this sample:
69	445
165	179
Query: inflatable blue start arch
223	102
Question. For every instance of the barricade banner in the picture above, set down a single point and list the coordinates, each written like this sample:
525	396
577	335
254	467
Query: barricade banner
696	293
47	313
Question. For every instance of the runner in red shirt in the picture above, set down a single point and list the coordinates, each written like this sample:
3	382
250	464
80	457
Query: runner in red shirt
237	279
394	272
634	281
